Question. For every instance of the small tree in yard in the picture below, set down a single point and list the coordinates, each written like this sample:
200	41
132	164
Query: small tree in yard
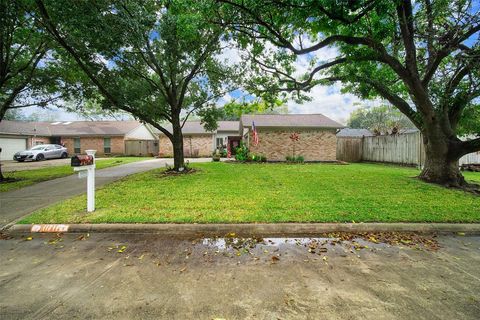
421	56
156	60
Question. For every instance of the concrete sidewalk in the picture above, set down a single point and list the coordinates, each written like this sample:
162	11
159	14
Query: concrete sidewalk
18	203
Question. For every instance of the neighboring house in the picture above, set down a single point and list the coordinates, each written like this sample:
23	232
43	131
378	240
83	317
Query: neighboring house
317	136
107	137
17	136
197	142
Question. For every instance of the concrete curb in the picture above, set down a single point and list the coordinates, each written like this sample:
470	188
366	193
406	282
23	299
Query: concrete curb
253	229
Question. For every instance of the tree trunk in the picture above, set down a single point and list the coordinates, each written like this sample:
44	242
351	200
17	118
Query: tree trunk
177	142
441	162
1	174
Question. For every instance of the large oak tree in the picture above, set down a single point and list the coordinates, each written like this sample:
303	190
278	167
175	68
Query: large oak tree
423	57
27	75
157	60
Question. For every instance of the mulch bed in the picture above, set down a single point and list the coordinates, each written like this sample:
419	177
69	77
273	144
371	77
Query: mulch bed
172	172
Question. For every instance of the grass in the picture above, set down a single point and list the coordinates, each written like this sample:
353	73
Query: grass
28	177
222	192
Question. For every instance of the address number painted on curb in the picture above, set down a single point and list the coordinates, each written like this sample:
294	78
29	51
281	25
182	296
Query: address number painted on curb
49	228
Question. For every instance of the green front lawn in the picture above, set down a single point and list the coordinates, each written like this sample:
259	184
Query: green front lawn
28	177
222	192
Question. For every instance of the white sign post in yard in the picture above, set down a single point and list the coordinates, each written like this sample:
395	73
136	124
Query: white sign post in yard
89	171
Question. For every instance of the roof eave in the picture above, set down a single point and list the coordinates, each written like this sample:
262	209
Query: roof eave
296	127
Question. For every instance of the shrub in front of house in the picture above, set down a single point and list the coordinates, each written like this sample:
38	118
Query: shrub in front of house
241	153
244	155
295	159
256	158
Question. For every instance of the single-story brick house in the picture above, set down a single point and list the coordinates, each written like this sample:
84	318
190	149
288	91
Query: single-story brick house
107	137
317	139
197	142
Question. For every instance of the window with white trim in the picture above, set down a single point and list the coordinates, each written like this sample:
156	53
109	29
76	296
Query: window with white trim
219	142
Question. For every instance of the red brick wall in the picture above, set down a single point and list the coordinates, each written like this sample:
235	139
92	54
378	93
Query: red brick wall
193	145
31	142
313	144
117	145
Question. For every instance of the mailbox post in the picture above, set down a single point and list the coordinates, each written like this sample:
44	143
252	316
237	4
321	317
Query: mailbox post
86	164
91	183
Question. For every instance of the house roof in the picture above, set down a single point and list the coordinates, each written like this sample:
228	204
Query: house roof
195	127
69	128
354	133
24	128
290	120
411	130
228	125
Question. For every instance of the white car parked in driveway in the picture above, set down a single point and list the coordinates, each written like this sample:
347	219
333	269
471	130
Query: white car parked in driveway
42	152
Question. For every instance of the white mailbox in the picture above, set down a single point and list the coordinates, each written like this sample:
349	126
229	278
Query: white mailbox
89	172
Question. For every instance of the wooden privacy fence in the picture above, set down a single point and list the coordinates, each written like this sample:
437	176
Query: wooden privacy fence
349	149
141	147
405	149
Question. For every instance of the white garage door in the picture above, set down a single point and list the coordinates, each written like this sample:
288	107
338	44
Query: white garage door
10	146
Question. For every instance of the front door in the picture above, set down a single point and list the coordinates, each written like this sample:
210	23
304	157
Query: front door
234	143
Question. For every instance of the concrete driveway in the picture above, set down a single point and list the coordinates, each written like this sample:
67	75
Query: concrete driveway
8	166
112	276
18	203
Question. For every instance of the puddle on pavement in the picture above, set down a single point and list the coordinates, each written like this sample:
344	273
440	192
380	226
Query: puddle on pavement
164	251
345	242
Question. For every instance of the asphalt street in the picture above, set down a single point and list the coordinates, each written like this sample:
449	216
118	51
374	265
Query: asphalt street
139	276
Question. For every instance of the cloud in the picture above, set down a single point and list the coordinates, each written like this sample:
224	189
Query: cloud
229	55
329	101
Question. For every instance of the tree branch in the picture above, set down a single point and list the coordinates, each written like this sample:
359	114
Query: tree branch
393	98
196	67
405	17
50	26
470	146
441	54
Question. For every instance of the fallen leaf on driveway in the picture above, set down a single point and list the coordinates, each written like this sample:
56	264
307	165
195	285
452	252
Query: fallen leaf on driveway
122	249
28	238
83	237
